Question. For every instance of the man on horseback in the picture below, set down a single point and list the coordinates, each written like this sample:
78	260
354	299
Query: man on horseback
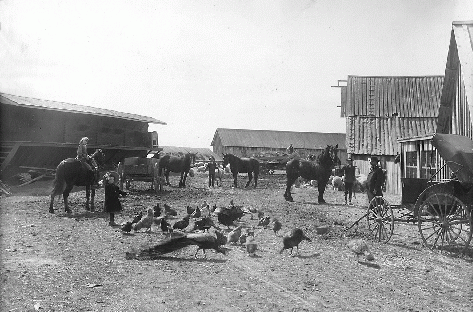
87	161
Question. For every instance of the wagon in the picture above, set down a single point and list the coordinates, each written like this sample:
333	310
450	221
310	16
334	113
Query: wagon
139	169
442	210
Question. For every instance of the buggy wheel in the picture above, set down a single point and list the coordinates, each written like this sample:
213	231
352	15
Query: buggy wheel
445	223
380	218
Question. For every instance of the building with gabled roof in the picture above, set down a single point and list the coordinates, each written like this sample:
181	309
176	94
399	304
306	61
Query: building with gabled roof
38	133
260	143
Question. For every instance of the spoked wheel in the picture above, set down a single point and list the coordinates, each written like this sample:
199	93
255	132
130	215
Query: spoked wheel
445	223
380	219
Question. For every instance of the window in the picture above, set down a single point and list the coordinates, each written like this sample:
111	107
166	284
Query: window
411	164
428	164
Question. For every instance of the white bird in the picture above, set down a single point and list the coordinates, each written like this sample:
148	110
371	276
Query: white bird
146	221
360	247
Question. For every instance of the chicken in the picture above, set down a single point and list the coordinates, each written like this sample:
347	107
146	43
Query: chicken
145	222
197	213
165	226
264	221
205	211
251	247
234	235
228	216
137	217
276	225
190	210
360	247
126	226
169	211
260	214
214	207
204	224
157	210
293	240
201	240
181	224
243	238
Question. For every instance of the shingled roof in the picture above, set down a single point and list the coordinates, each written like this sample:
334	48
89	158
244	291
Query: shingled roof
72	108
278	139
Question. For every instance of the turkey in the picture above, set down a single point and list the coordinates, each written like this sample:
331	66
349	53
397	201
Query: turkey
181	224
201	240
293	240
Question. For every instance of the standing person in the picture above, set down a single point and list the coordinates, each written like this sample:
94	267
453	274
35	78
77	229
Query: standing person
212	165
290	149
375	179
349	179
112	204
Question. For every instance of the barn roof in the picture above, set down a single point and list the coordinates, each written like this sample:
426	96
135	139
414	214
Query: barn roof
460	57
278	139
71	108
201	153
382	109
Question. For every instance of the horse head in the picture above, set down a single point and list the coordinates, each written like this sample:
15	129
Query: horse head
329	156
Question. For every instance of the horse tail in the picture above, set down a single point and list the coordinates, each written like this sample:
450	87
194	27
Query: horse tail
59	180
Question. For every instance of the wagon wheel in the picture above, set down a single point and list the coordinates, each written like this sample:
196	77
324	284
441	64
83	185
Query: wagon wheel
445	223
380	218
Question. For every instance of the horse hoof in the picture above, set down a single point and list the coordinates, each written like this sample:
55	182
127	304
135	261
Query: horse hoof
68	210
322	201
51	210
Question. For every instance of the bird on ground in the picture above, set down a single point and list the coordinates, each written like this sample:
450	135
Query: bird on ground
276	225
204	224
293	240
264	221
214	207
234	235
260	214
181	224
145	222
197	213
137	217
203	241
205	210
127	226
157	210
359	247
243	238
251	247
228	216
165	226
169	211
190	210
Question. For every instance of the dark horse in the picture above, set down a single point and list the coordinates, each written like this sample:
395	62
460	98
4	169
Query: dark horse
319	170
244	165
175	164
72	172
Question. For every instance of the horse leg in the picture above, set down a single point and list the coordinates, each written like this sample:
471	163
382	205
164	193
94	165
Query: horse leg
92	199
87	196
181	180
51	208
256	179
65	195
250	177
184	179
289	183
235	180
321	188
166	174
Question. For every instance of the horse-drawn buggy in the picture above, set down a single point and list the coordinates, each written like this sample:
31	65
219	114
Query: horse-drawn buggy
139	169
442	209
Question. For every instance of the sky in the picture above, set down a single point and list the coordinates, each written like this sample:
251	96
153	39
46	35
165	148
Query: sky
202	65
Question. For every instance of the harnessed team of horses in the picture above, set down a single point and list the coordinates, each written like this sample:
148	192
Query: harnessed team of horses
71	172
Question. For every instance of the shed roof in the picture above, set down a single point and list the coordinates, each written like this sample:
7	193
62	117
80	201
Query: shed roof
278	139
22	101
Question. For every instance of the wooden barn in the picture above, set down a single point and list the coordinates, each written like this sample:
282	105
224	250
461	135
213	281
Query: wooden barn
419	158
40	133
381	110
268	143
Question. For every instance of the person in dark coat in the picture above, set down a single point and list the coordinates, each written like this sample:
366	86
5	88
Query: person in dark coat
212	166
112	203
375	180
349	179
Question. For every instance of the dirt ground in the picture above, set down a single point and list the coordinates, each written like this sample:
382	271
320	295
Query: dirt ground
76	262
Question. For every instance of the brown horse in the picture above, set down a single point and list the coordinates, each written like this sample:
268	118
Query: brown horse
245	165
72	172
175	164
319	170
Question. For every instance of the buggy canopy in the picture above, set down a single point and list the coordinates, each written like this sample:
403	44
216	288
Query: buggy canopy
457	151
